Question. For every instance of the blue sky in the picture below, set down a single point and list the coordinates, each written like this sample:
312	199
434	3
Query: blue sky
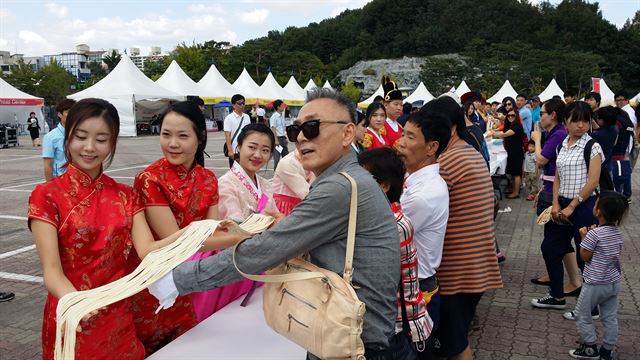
35	27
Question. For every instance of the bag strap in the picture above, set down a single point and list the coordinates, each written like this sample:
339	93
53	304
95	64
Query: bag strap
348	263
238	128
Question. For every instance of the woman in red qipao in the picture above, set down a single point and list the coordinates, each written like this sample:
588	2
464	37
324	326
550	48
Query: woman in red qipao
84	225
374	134
177	190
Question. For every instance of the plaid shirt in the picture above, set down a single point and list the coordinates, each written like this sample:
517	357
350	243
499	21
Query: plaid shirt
571	166
419	321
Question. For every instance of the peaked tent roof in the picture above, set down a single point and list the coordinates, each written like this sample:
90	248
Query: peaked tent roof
9	95
369	100
215	87
175	79
420	93
550	91
462	89
635	99
247	87
294	89
605	92
505	90
327	85
310	85
126	82
270	90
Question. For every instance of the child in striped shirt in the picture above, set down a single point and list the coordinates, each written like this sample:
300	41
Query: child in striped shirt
600	249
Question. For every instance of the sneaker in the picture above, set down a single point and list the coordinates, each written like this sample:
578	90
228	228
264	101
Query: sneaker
549	302
585	352
501	258
605	354
6	296
570	315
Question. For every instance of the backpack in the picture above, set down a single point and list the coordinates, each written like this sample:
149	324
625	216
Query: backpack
605	182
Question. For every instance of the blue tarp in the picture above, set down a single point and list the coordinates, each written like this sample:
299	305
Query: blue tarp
223	103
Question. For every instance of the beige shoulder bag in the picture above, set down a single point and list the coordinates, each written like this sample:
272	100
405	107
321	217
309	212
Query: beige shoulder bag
314	307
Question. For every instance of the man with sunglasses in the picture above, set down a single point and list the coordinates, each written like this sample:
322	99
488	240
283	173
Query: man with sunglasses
233	124
317	226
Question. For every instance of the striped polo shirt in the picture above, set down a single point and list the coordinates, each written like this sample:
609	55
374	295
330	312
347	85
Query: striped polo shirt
605	242
469	263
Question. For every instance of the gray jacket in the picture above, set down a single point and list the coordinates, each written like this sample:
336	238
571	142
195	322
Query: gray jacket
318	226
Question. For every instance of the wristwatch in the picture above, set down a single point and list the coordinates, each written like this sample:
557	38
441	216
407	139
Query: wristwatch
580	199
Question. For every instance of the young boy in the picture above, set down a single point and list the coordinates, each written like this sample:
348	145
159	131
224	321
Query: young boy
531	174
600	249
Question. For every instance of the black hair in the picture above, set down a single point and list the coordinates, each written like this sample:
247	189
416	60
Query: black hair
612	206
406	108
371	109
33	112
235	98
467	105
91	108
495	103
593	95
378	98
360	117
609	115
256	128
521	96
386	167
342	101
64	105
197	100
509	99
578	111
569	93
451	111
531	142
622	93
276	104
555	105
435	126
557	97
191	111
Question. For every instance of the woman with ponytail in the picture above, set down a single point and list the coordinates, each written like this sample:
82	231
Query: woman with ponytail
175	190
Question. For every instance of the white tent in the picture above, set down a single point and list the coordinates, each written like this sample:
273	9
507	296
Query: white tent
420	93
505	90
462	89
636	99
175	79
16	105
247	87
369	100
310	85
128	89
551	90
605	93
215	87
270	90
327	85
295	90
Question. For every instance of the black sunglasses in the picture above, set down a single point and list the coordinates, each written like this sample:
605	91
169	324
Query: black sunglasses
310	129
240	103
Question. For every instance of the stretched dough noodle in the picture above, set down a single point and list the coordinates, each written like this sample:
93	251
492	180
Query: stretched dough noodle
74	306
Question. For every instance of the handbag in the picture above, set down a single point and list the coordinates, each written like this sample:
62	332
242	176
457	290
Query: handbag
315	307
225	149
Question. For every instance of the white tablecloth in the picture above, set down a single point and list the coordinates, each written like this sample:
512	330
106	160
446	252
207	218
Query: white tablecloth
497	158
234	332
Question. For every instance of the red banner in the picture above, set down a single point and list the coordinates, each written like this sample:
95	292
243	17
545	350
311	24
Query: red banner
595	84
21	102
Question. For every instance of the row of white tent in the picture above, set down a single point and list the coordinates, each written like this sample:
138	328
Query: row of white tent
506	90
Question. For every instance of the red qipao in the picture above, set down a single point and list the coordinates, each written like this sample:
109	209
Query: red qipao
93	219
391	135
189	194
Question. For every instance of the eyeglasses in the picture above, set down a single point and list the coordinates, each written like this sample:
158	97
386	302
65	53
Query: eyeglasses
241	103
310	129
511	115
543	112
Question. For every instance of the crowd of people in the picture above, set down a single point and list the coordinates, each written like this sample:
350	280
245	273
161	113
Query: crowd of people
425	248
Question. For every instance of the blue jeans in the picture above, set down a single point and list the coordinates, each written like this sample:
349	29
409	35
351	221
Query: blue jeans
557	242
621	170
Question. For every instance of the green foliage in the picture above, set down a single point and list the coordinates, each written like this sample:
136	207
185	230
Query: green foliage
192	59
22	77
54	83
351	91
97	71
155	69
112	60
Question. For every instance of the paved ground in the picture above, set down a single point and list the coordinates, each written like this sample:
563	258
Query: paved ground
509	328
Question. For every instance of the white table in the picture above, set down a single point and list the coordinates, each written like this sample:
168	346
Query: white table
497	158
234	332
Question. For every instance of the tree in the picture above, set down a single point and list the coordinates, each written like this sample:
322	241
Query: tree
351	91
191	59
97	71
22	76
54	84
155	69
111	60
